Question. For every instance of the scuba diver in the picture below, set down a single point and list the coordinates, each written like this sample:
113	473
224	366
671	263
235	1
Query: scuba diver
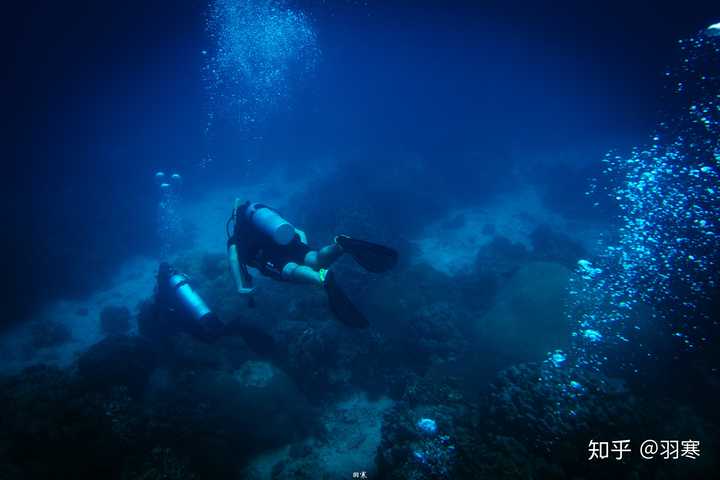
262	239
181	307
177	306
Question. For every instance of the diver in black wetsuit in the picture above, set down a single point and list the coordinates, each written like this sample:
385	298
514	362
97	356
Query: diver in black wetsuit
289	258
262	239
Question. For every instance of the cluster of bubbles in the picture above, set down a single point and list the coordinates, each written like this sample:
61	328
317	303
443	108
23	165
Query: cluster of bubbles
666	255
259	48
660	269
169	220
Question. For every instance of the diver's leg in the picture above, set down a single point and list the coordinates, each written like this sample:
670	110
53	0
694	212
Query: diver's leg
324	257
292	272
328	254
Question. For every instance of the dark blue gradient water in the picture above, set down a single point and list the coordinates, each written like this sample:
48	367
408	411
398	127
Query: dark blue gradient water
547	173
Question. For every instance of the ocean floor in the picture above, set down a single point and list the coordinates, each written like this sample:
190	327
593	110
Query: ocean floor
133	282
348	446
450	244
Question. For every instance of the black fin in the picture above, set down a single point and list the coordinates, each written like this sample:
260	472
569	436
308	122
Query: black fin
371	256
341	306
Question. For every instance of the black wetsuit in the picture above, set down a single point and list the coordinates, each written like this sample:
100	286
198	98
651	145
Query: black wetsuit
256	249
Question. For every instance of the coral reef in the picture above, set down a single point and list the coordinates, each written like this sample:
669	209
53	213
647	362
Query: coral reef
118	360
161	464
534	422
409	448
227	415
269	398
55	423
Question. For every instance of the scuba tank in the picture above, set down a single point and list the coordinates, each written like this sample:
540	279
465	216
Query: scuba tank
176	294
271	223
191	302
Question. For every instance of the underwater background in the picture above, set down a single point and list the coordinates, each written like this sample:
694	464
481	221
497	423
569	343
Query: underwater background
548	173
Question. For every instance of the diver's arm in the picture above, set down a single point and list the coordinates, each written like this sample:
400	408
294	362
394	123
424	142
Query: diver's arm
242	279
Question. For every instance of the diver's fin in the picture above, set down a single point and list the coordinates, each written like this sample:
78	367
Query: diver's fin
341	306
371	256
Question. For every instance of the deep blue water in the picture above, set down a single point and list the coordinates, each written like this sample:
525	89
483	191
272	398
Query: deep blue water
493	145
425	78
